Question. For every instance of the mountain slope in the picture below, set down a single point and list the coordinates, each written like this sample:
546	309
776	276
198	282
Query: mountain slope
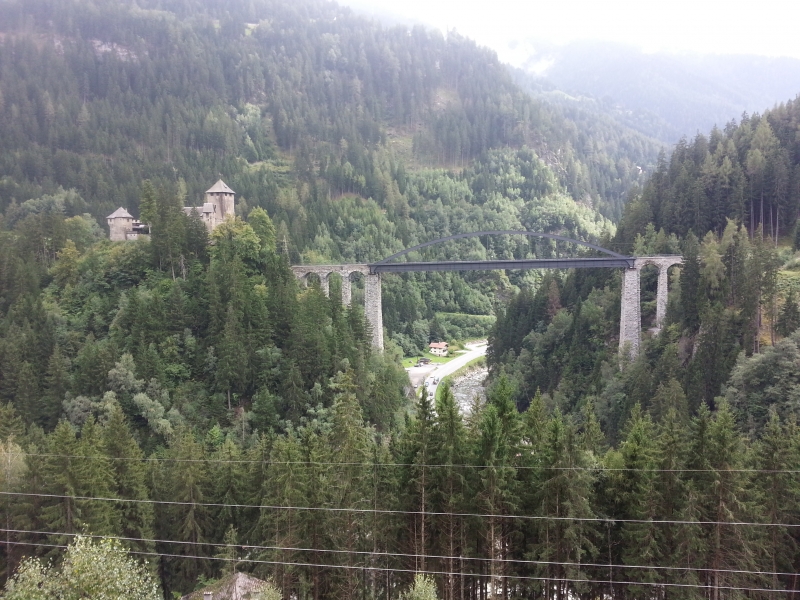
100	95
662	95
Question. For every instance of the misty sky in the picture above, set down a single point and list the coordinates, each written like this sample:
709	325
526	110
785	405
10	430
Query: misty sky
766	27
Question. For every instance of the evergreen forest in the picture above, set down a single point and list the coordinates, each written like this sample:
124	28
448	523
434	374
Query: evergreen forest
187	397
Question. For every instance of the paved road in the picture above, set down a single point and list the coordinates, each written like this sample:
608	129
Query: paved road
429	373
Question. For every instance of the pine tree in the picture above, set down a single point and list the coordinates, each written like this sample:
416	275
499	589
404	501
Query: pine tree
60	513
565	492
638	491
690	283
778	484
181	477
723	498
350	447
94	477
448	441
226	476
789	317
289	487
232	366
417	478
56	381
147	203
130	479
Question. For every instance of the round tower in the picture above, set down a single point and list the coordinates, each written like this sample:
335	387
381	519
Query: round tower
223	199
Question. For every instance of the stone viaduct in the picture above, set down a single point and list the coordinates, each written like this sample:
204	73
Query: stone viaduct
372	291
630	318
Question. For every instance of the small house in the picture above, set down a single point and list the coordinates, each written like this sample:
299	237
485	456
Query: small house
438	348
239	586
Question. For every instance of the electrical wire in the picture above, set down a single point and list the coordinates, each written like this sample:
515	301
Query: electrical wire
432	466
611	520
428	572
248	547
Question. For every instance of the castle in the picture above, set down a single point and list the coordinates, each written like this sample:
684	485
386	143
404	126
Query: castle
122	226
219	204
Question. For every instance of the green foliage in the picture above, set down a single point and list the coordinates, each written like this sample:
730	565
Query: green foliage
423	588
99	569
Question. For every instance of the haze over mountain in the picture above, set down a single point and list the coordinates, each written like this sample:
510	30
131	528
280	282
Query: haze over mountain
663	95
669	81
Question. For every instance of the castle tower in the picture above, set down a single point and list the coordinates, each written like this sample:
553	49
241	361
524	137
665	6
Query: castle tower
222	198
120	223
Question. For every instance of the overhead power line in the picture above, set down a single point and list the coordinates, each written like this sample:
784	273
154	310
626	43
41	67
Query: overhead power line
405	512
416	465
250	547
429	572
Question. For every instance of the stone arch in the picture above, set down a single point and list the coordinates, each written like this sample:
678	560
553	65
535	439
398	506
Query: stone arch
311	276
347	282
372	290
630	321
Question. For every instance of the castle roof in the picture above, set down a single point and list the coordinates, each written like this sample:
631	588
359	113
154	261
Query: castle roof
220	187
232	587
120	213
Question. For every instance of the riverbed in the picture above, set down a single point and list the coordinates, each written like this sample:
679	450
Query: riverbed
469	385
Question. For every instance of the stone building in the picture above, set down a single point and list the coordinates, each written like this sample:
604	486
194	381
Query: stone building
239	586
122	226
219	204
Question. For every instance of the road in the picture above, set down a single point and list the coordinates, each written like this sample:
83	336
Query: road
429	373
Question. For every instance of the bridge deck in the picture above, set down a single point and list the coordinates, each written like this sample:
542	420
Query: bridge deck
488	265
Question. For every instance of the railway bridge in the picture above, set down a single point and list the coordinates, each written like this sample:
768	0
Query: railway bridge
630	318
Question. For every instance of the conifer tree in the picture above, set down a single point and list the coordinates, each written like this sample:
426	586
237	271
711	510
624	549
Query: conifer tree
226	477
639	499
690	283
789	317
94	477
147	203
417	478
232	365
56	382
566	493
449	450
130	479
723	498
60	513
285	527
181	477
778	485
350	447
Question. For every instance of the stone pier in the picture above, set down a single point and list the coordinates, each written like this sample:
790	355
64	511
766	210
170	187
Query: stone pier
630	321
373	308
372	291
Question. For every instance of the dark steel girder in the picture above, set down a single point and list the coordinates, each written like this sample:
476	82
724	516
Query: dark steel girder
472	234
491	265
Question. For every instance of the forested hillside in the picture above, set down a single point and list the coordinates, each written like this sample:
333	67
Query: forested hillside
320	117
729	204
185	395
99	95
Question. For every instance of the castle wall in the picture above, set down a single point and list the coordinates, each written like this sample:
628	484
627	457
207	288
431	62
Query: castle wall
119	228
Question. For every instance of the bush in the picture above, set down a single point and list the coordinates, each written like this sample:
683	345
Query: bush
98	570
